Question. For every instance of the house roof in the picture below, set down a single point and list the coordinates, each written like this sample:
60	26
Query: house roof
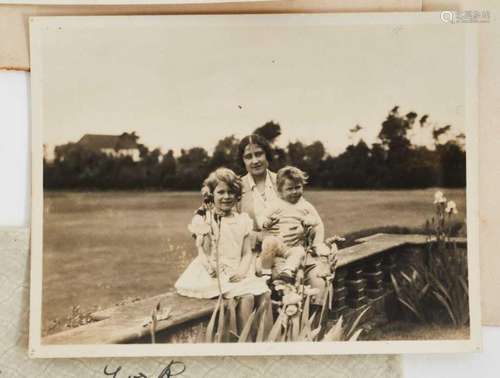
116	142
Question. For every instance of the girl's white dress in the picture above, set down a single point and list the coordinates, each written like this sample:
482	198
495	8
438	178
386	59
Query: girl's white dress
229	236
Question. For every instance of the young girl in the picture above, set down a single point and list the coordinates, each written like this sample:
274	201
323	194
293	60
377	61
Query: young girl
222	266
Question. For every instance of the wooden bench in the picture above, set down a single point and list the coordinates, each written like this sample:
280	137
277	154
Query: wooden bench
124	324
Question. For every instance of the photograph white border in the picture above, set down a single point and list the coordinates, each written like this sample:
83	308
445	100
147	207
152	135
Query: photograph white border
37	349
122	2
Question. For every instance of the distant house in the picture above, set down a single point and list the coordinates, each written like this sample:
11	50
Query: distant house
113	145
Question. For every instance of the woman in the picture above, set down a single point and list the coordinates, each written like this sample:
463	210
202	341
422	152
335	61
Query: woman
259	184
259	190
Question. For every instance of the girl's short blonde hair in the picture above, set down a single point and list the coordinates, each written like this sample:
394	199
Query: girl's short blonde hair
226	176
293	174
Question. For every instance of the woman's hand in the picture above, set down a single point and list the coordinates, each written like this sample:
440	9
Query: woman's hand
272	221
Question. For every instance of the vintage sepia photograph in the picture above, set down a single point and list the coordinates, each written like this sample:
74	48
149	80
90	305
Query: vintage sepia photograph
302	183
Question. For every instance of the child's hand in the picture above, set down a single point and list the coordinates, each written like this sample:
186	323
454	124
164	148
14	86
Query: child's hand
236	277
271	220
334	239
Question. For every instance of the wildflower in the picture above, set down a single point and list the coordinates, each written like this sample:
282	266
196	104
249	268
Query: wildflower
439	197
291	298
291	310
451	208
207	195
310	291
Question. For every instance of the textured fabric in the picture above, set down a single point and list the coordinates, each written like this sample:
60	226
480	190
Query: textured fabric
247	203
233	231
289	258
197	283
291	219
315	266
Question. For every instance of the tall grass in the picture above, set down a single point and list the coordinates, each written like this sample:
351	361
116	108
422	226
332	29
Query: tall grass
442	281
288	326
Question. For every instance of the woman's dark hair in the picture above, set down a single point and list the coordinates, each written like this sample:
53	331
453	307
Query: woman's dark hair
257	140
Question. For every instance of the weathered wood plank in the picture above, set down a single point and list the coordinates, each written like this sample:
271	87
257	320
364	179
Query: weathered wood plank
415	239
124	323
399	238
378	243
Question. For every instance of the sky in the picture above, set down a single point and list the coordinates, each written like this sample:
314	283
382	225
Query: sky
181	86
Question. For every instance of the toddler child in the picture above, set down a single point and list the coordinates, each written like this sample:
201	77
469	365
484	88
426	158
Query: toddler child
286	216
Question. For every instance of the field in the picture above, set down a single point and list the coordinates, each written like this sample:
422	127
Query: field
102	248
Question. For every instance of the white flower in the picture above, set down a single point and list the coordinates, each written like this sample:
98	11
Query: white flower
451	208
291	310
439	197
207	195
291	299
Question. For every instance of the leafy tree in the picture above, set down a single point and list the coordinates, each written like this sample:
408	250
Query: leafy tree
308	158
296	154
270	130
168	169
393	136
394	131
452	161
192	168
351	168
438	132
226	154
394	162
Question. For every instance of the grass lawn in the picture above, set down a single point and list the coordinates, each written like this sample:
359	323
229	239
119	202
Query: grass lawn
399	330
101	248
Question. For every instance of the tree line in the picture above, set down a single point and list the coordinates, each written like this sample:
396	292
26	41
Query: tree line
392	162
